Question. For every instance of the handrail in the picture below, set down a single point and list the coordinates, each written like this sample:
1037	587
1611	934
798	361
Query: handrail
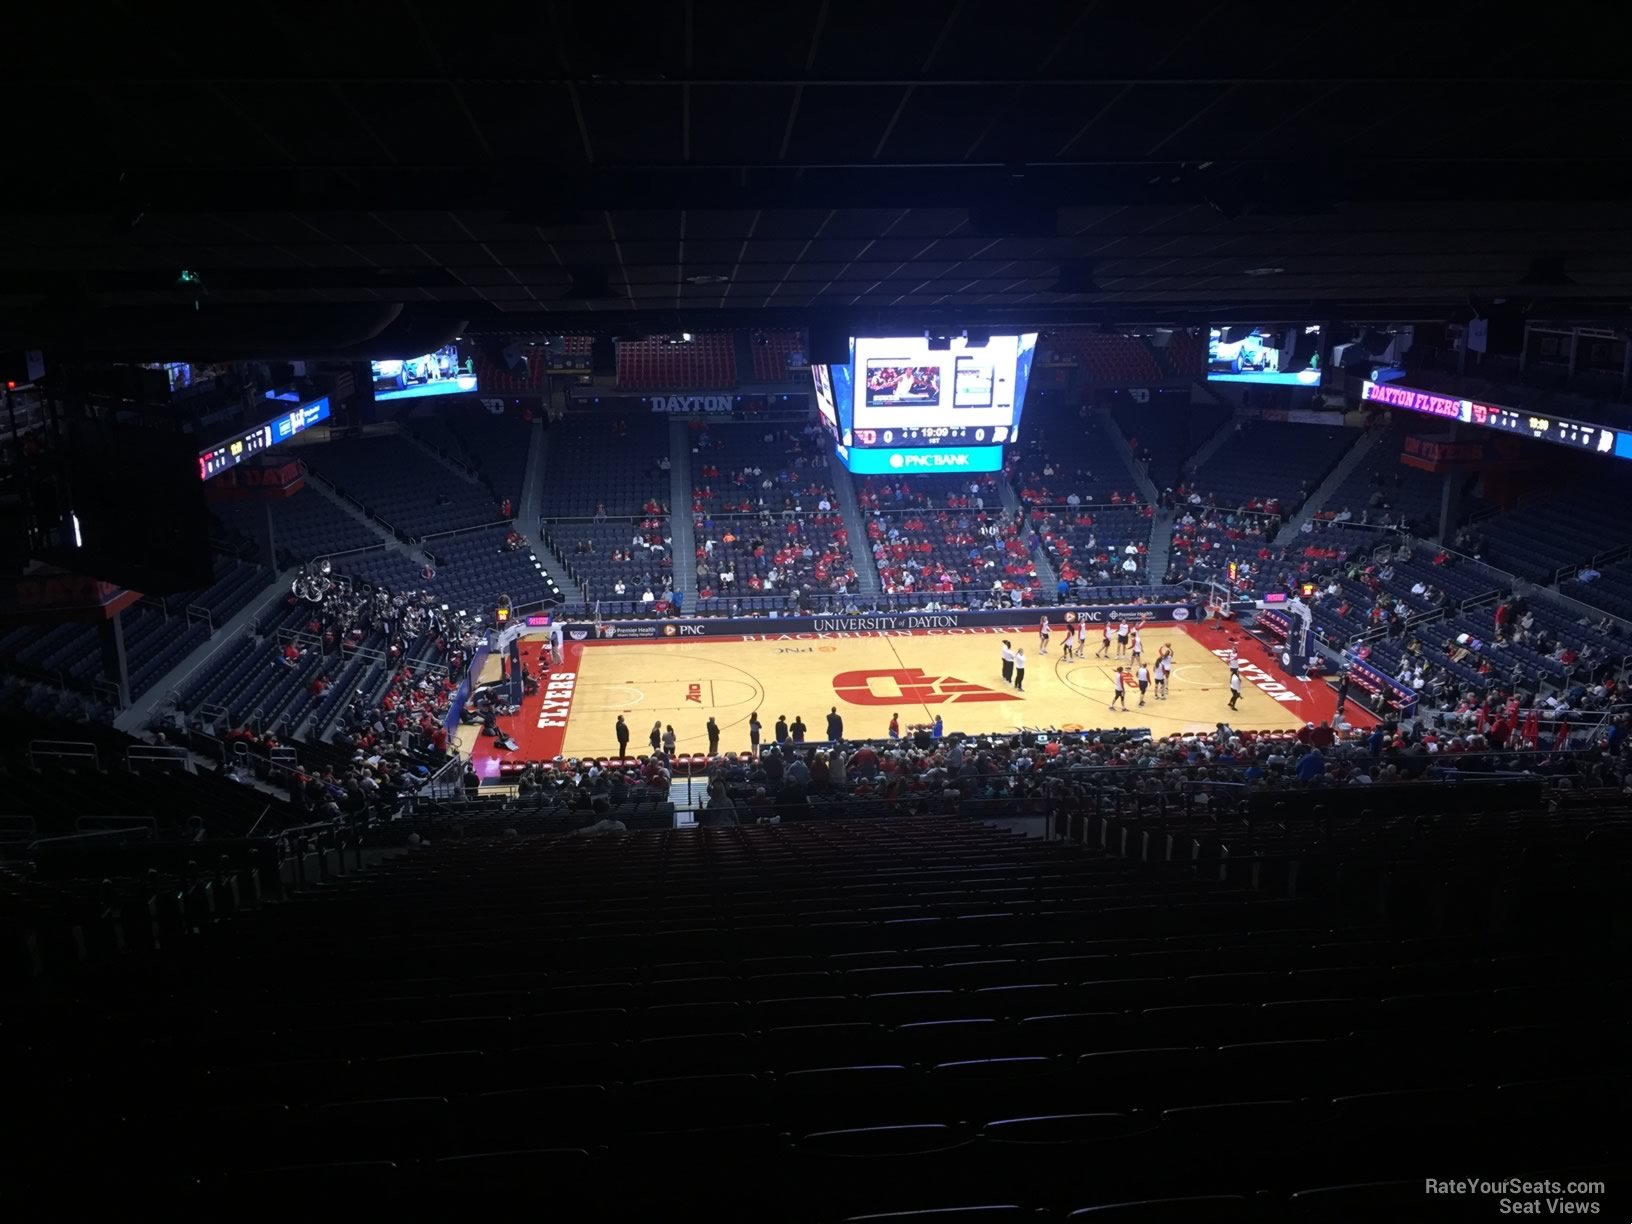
78	750
198	612
457	531
437	783
146	830
130	822
173	754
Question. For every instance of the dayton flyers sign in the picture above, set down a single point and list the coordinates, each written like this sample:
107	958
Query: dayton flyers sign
895	686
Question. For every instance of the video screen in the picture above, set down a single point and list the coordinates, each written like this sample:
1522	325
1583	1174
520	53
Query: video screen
889	382
823	381
956	392
1280	356
972	385
443	372
921	409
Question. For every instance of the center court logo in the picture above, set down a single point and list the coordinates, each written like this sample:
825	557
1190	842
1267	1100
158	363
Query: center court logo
894	686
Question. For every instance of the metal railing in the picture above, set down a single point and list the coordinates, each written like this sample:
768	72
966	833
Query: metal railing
459	531
170	756
78	752
107	692
145	832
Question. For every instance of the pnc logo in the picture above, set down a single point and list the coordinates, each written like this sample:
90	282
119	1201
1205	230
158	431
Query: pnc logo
893	686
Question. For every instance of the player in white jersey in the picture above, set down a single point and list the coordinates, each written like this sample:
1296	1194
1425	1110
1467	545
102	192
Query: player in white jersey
1142	675
1136	646
1008	662
1043	630
1068	648
1234	660
1120	689
1082	638
1235	687
1104	651
1122	639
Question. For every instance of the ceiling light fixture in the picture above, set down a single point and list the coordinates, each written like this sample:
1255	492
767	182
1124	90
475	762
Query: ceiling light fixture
707	279
1264	271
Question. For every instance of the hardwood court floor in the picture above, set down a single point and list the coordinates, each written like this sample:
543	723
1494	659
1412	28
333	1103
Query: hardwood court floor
869	676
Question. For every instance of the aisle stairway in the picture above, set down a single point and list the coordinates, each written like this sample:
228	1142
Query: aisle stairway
531	508
682	527
855	524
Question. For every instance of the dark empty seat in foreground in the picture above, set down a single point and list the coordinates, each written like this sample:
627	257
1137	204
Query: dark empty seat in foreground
985	1213
1201	1209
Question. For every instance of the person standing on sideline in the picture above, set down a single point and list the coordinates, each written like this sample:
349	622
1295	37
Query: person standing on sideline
1008	662
781	728
1104	651
656	737
753	732
1119	689
798	729
895	726
713	737
1141	676
1020	670
669	739
1122	639
937	728
622	732
1342	692
835	725
1043	631
1235	687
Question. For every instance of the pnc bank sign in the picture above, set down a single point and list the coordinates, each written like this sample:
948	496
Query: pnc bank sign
904	461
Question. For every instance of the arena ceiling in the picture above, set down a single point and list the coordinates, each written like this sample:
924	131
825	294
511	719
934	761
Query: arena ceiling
621	165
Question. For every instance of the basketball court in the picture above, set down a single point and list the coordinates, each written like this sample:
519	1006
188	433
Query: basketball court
869	676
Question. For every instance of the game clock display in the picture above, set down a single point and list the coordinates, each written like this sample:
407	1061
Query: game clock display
229	454
929	435
1562	431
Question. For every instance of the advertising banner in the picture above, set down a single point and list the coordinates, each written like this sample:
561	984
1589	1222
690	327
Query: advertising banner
839	625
